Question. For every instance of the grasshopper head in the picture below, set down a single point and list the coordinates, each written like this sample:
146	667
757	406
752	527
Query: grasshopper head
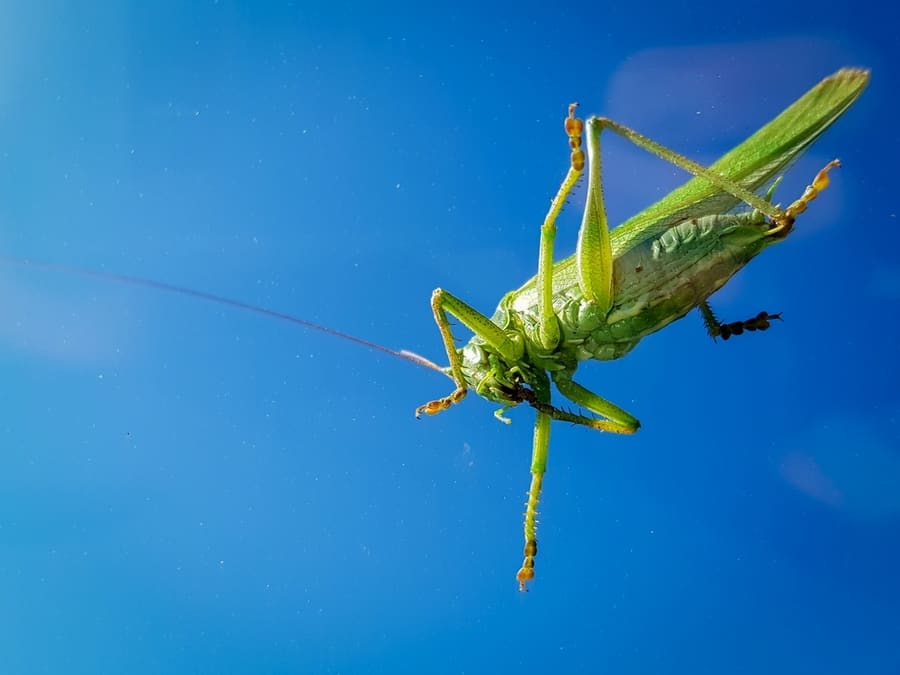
489	375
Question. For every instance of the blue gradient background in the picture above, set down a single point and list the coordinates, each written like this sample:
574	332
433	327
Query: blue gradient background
186	488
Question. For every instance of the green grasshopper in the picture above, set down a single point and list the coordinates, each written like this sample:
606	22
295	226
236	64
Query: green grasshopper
624	284
619	286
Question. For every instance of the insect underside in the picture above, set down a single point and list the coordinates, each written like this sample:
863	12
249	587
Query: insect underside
624	284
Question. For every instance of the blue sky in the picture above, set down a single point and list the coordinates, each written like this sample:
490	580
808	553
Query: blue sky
190	488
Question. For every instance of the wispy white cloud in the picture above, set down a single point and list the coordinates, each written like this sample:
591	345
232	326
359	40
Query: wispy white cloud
63	324
850	464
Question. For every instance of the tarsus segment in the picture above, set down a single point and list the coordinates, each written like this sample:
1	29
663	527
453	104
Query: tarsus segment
716	328
785	221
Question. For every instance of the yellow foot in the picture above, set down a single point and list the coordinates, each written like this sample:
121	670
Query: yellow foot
526	572
574	128
434	407
819	183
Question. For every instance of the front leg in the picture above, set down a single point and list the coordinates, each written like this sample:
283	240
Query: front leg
549	333
443	303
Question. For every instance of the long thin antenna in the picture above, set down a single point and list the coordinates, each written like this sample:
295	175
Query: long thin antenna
404	354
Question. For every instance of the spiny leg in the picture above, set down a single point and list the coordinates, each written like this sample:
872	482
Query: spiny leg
549	329
717	328
525	395
597	124
616	421
510	349
538	467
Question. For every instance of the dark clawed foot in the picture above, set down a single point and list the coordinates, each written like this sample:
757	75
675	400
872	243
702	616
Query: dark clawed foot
761	321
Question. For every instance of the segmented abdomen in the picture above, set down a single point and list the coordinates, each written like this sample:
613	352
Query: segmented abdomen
658	281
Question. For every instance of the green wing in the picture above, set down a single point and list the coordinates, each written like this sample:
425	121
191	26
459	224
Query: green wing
752	163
